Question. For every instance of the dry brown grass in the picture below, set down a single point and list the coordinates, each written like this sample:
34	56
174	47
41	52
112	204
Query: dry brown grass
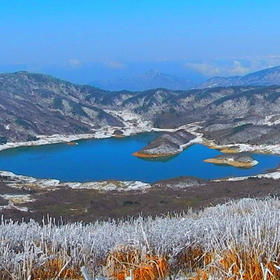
4	275
232	264
238	240
240	264
193	258
130	261
56	269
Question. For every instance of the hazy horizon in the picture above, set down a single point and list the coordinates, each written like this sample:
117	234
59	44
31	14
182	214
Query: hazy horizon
92	41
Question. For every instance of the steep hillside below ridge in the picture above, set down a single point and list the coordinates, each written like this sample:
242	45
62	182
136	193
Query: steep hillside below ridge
35	104
265	77
32	105
247	133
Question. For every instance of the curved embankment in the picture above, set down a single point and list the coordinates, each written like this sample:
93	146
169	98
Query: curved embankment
151	156
240	160
166	145
71	143
225	150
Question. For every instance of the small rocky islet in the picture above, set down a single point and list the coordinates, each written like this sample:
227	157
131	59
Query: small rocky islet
241	160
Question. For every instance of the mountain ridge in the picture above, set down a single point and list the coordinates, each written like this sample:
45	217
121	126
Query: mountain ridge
34	104
266	77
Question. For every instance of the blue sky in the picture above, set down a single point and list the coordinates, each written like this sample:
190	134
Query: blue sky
211	37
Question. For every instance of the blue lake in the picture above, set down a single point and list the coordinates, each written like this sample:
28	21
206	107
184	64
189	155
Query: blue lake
112	158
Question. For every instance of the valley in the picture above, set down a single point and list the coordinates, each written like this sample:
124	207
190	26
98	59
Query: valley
126	142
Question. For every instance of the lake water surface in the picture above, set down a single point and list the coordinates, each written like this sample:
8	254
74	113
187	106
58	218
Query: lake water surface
112	158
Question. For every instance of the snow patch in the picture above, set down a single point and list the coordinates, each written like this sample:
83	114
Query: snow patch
269	120
17	198
111	185
270	175
20	181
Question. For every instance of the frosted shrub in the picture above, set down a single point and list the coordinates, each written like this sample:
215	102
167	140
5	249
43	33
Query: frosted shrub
205	245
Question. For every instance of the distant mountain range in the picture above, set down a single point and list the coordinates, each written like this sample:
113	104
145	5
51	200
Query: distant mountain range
155	79
35	104
149	80
266	77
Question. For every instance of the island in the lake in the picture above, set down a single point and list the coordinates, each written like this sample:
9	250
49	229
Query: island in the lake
167	145
242	160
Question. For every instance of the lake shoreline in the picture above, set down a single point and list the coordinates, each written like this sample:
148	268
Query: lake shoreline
104	133
107	133
18	181
167	196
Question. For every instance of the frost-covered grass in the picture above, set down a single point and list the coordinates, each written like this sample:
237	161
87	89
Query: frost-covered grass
238	240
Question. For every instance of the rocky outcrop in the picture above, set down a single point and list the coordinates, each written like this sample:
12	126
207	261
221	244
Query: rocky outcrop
118	133
180	183
242	160
166	145
246	133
